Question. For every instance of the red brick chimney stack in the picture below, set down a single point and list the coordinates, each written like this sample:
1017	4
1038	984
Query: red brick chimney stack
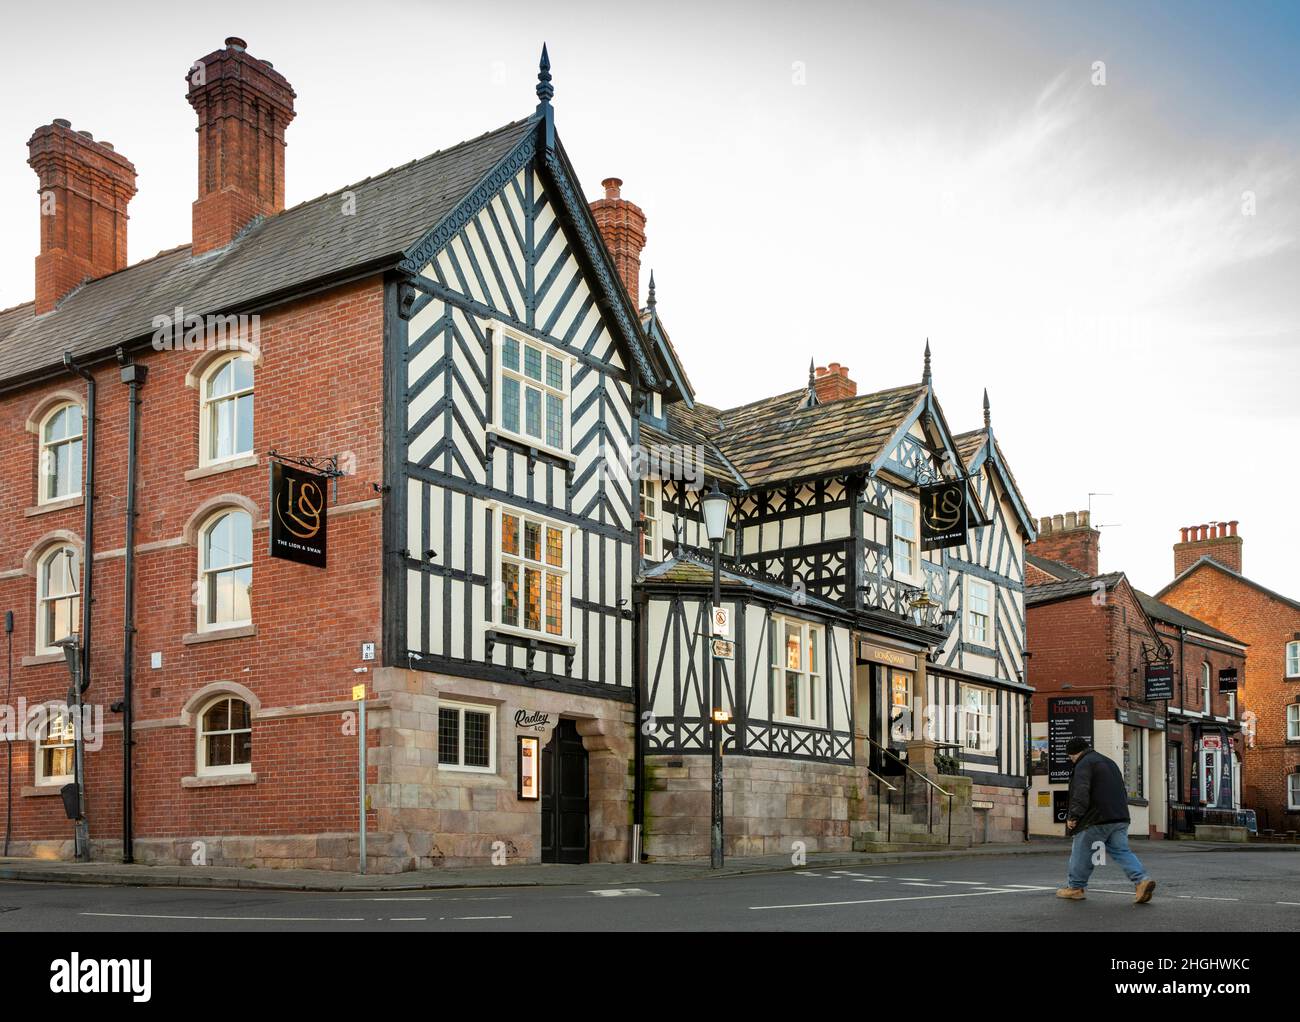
1070	539
1217	540
84	191
832	383
622	226
244	106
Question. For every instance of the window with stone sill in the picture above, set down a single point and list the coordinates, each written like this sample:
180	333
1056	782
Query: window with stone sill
1293	791
55	749
226	415
1293	659
1293	722
466	737
58	598
60	456
225	738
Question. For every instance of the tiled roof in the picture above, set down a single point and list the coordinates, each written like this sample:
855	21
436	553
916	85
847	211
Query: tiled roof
1072	587
969	444
309	242
775	439
1160	611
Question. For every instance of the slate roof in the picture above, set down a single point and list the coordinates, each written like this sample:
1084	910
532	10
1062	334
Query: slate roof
1082	586
1057	569
308	242
1160	611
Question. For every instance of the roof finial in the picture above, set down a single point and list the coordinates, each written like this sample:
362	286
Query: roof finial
925	375
545	90
811	399
650	298
988	418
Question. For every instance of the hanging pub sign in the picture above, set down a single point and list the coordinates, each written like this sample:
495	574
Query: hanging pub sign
298	515
1159	681
1228	679
943	514
1068	717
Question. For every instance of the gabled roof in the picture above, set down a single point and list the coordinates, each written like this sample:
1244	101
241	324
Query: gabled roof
653	325
1159	611
974	449
776	439
1210	562
272	256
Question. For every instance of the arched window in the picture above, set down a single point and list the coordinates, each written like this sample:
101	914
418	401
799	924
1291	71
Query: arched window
1205	688
226	415
60	457
225	737
226	571
58	596
55	748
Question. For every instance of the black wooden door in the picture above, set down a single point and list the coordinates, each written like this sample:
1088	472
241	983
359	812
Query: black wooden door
564	796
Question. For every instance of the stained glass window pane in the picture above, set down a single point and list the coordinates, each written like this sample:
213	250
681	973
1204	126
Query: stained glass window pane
532	599
510	594
554	604
554	421
555	548
510	534
533	412
533	362
510	404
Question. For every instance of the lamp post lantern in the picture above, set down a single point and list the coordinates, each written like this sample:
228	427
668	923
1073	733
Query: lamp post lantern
717	508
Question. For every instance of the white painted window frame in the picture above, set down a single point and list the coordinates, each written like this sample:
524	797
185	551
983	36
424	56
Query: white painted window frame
652	492
201	767
1292	659
1293	791
461	708
990	618
202	595
1207	692
989	710
499	333
206	407
46	465
499	557
812	685
1293	722
913	578
44	642
42	779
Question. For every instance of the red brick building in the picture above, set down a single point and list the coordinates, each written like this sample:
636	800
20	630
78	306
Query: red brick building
1093	634
1209	583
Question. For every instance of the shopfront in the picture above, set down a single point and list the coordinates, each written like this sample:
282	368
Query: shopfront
890	708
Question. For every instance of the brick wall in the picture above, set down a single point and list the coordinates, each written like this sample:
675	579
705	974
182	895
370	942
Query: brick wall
318	392
1267	624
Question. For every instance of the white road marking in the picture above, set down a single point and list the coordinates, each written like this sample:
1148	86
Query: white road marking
916	879
918	883
235	919
624	892
910	897
969	883
408	919
1295	903
482	917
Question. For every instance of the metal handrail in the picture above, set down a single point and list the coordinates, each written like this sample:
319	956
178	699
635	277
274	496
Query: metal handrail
929	795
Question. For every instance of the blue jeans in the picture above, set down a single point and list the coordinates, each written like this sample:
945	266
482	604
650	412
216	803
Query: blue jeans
1115	837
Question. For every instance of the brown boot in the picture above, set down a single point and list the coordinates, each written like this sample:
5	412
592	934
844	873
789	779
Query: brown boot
1072	893
1143	892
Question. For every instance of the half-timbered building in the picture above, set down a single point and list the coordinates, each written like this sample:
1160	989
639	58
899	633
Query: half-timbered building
514	459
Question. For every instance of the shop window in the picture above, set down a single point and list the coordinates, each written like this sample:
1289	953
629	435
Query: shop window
1135	761
466	737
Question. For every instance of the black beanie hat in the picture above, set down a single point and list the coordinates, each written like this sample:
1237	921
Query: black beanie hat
1076	745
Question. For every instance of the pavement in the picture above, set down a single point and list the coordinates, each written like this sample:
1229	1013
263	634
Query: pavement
521	875
1201	887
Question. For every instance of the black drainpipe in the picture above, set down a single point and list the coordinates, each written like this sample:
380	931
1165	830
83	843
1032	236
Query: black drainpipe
87	584
133	375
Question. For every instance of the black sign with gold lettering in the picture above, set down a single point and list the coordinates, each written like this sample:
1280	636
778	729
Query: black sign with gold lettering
298	515
1228	679
943	514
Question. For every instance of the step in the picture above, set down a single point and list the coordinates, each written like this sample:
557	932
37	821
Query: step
880	836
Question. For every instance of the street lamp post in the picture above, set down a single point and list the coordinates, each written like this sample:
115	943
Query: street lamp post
80	828
717	507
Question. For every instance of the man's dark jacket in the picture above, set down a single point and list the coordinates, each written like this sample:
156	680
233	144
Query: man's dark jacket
1097	792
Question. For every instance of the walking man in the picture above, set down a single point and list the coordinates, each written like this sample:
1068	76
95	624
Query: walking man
1098	817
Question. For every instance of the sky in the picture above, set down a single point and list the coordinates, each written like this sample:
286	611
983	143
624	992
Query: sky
1093	210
